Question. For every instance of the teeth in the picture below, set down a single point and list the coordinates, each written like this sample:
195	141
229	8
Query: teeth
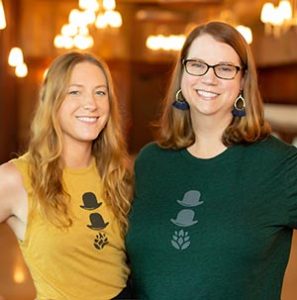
207	94
88	119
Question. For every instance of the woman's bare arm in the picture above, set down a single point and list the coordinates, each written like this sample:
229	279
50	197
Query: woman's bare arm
13	199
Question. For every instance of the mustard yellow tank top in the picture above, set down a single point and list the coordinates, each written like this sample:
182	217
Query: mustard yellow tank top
84	262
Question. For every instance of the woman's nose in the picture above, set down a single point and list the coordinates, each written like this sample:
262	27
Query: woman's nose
89	102
210	77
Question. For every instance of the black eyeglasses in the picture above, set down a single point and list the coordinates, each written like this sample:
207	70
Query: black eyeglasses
198	68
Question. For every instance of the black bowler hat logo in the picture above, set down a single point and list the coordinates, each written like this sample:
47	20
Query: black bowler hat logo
97	222
90	201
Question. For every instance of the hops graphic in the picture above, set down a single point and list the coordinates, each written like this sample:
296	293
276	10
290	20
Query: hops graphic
180	240
100	241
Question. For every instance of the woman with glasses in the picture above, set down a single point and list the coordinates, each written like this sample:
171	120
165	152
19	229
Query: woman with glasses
216	196
68	197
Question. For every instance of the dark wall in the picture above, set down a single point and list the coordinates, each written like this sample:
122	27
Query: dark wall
149	84
8	85
278	84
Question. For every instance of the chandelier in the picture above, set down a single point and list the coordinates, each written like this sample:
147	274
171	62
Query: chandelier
278	19
98	13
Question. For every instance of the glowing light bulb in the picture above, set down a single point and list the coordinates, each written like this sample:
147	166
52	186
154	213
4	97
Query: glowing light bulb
15	57
21	71
2	16
109	4
246	32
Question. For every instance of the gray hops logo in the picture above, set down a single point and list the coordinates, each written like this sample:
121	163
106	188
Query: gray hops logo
180	240
185	218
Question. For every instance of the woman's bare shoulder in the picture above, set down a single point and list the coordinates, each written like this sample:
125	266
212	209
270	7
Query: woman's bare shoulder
10	174
11	187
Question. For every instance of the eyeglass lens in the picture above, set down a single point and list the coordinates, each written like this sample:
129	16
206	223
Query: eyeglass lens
199	68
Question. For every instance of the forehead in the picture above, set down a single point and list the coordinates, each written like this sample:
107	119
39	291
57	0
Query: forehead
205	47
87	72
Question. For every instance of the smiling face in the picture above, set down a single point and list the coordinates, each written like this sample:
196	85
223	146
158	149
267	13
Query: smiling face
207	94
85	110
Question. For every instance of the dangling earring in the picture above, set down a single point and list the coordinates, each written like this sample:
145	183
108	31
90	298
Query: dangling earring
239	106
180	102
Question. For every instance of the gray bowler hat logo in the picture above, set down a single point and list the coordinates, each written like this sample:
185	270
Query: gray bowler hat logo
185	218
191	198
97	222
90	201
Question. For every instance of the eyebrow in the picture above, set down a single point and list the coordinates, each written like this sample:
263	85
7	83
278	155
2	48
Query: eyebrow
219	63
81	85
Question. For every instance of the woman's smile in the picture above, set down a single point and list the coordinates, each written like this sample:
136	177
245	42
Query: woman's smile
207	94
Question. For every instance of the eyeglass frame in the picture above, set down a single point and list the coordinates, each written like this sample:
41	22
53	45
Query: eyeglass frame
184	63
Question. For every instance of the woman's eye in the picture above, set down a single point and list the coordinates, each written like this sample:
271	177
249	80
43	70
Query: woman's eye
226	68
73	92
198	65
100	93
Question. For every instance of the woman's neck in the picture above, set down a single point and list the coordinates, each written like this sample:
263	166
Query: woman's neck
206	147
208	132
78	156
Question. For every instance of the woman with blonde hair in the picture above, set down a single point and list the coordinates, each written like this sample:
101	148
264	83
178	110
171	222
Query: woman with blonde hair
68	197
216	196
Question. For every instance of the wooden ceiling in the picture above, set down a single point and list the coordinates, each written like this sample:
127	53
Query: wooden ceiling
246	12
181	2
243	11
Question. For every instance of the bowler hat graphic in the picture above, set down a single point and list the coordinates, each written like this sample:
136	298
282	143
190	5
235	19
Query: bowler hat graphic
185	218
191	198
97	222
90	201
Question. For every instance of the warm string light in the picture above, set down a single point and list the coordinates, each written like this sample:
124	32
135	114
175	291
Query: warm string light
19	271
19	275
246	32
16	59
165	43
228	16
102	14
176	42
2	16
278	19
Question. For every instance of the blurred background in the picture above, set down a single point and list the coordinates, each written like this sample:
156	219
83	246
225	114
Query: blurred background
139	40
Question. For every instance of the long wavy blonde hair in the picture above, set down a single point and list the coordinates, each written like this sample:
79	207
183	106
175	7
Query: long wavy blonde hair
175	128
46	145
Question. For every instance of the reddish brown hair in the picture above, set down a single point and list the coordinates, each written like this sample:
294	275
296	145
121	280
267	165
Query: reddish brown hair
175	128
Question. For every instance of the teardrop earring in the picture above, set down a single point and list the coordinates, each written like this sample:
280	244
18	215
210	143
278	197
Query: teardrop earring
180	102
239	106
